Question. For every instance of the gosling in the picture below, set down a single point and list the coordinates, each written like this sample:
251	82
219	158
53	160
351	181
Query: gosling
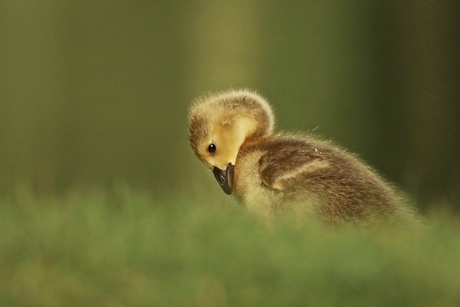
232	133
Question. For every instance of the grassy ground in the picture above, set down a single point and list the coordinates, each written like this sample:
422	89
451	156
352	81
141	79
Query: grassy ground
130	249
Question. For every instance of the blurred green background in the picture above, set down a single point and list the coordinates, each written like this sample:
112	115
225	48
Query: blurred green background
96	92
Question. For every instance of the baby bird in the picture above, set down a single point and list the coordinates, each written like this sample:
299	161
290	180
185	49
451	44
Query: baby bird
232	133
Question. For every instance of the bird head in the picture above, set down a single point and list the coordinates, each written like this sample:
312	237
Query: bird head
220	123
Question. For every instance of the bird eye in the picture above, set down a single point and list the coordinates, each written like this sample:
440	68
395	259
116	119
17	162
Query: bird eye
212	148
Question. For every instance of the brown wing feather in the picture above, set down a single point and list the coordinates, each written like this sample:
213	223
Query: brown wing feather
288	161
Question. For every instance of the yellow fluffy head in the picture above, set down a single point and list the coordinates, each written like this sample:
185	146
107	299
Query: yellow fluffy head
220	123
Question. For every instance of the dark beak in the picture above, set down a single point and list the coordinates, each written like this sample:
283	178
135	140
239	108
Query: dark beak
225	178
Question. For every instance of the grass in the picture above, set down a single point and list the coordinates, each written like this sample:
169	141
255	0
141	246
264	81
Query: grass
131	249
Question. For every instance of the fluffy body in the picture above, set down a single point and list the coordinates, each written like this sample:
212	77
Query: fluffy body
286	173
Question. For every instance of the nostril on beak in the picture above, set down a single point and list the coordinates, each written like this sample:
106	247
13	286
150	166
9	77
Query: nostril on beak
224	178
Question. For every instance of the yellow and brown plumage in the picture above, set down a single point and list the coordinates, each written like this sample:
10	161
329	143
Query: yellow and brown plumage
232	133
